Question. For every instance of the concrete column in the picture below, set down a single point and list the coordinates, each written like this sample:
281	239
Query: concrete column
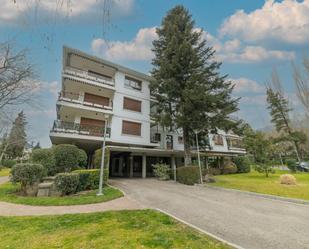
173	165
120	166
131	166
144	168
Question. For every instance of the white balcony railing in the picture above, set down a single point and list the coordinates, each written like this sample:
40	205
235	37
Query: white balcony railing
89	76
76	98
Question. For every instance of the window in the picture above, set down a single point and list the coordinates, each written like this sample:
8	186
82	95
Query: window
132	104
133	83
158	137
180	139
131	128
218	140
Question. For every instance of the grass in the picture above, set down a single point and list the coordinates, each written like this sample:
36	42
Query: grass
4	171
108	230
256	182
8	193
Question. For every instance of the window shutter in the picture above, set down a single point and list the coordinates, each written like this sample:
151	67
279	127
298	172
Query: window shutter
132	104
131	128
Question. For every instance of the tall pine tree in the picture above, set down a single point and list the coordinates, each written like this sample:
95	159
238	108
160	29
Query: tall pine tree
191	93
279	111
17	138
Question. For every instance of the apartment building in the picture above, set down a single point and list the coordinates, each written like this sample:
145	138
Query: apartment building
97	93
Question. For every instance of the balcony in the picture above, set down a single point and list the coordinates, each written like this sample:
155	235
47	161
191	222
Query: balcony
76	98
78	129
235	144
88	76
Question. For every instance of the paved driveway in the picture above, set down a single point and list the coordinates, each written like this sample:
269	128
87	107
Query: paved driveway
245	220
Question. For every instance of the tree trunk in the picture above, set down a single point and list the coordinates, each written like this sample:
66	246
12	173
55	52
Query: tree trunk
187	146
3	152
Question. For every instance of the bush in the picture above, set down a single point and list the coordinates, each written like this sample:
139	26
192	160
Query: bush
8	163
161	171
291	163
188	175
67	183
242	164
67	157
27	174
287	179
46	158
212	171
89	179
98	158
265	168
82	158
229	169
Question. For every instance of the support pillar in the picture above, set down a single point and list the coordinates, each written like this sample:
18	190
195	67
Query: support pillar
131	166
120	166
173	164
144	167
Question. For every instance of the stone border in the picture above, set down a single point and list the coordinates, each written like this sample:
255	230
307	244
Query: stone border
266	196
201	230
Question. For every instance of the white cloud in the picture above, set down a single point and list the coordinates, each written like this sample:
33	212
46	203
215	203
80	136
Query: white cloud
286	21
253	54
257	100
137	49
244	85
11	10
44	86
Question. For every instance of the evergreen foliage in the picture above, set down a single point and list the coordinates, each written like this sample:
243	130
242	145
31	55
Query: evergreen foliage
191	93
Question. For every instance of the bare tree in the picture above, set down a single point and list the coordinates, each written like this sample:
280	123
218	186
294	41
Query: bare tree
17	78
301	79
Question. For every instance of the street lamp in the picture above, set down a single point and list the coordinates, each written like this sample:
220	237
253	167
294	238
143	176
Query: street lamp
102	159
198	157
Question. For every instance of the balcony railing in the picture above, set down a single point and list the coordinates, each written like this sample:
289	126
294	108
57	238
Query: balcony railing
76	98
76	128
89	76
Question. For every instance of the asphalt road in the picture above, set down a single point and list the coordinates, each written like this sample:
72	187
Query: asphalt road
242	219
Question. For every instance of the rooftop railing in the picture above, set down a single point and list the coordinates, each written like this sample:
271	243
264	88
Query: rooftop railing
89	76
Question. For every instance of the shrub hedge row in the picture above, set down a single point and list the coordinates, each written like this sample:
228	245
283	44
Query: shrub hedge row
188	175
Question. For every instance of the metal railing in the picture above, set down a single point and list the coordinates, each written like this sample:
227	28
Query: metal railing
89	76
76	128
78	99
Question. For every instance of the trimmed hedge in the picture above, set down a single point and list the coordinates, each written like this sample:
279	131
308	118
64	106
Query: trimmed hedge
7	163
229	169
46	158
89	179
27	174
162	171
67	157
188	175
67	183
82	158
242	164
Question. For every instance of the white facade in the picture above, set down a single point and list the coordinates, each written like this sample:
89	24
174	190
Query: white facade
87	80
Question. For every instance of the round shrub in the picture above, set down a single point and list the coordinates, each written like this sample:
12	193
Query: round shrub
46	158
214	171
230	169
161	171
82	158
242	163
27	174
188	175
8	163
291	163
67	157
67	183
287	179
90	178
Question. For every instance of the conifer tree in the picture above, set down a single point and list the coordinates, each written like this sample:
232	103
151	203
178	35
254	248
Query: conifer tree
191	93
17	138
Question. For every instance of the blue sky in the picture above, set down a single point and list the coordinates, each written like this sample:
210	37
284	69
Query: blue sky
251	38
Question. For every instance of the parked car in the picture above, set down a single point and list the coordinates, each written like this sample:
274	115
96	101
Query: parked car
303	166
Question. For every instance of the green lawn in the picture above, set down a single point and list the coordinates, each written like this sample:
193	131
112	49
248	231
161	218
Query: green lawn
8	194
256	182
108	230
5	171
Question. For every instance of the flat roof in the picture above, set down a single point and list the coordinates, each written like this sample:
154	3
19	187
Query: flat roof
109	63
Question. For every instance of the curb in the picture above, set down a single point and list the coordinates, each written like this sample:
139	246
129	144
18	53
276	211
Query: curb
266	196
201	230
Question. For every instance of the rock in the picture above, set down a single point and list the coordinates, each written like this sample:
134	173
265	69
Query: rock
209	179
